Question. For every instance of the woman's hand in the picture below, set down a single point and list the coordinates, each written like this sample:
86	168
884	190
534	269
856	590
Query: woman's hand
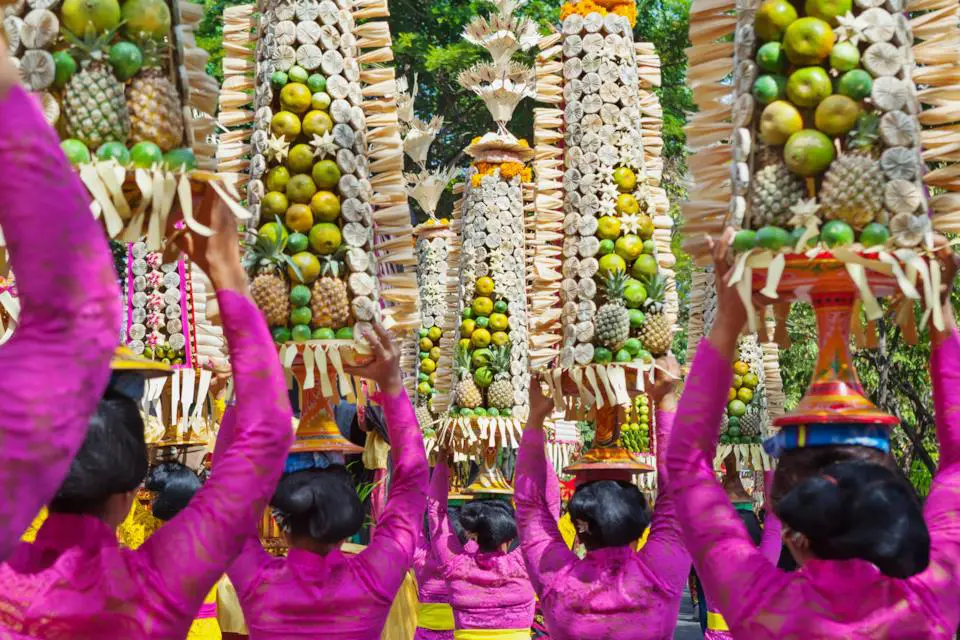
219	255
384	369
540	405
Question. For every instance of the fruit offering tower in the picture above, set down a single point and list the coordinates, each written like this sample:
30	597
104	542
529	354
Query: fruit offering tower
312	112
832	152
437	257
602	296
487	399
124	83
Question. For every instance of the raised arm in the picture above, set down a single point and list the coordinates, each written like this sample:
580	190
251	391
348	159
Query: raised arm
665	551
771	542
190	553
56	365
390	554
538	501
445	542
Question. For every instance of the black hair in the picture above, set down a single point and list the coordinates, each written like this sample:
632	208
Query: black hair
797	465
453	514
614	511
492	521
112	459
321	504
752	524
174	485
858	509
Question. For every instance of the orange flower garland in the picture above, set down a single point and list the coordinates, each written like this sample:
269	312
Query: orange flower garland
627	9
508	171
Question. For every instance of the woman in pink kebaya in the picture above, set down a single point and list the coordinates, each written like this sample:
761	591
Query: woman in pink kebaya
873	564
75	582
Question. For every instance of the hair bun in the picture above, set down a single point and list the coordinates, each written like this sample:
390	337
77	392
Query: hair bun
860	510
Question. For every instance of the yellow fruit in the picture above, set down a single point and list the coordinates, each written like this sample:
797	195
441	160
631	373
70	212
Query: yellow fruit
435	353
467	328
779	121
482	306
732	395
435	333
286	125
427	365
625	179
299	218
424	388
836	115
325	238
295	97
317	123
745	394
326	174
741	368
772	19
608	228
808	41
627	204
463	343
300	189
309	267
644	226
500	338
426	344
485	286
300	159
101	15
325	205
737	381
480	338
277	179
498	322
274	204
433	377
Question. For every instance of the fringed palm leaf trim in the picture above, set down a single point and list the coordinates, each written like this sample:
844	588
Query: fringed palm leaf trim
463	433
199	89
700	285
708	130
772	380
451	319
545	226
211	343
240	25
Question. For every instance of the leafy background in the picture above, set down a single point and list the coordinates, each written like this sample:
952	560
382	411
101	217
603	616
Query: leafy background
427	44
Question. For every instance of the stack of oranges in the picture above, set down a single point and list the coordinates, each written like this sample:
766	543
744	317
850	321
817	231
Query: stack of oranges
625	8
508	171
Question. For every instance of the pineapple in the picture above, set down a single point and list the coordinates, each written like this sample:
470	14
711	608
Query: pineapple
751	422
500	393
864	137
329	301
94	106
775	190
656	333
424	416
467	393
156	114
852	191
264	261
613	319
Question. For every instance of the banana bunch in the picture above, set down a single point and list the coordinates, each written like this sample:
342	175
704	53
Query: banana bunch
635	433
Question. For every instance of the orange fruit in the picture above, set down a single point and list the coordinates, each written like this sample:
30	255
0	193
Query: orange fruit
484	285
612	262
808	86
299	218
295	97
300	189
482	306
317	123
285	124
625	179
808	152
274	204
645	226
608	228
828	10
778	121
498	322
325	238
326	174
326	206
500	338
480	338
300	159
627	204
277	179
309	267
467	327
836	115
808	41
772	19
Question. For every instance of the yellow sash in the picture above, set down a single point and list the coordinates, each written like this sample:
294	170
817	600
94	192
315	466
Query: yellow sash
435	617
488	634
715	622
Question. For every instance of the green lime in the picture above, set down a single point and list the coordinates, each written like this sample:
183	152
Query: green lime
300	296
506	412
483	322
126	60
180	160
300	333
607	247
493	412
635	295
500	306
856	84
602	355
297	242
837	233
324	334
645	267
114	151
480	412
145	155
771	58
76	152
808	86
797	233
808	152
65	66
320	101
772	238
768	88
467	313
844	56
423	332
316	83
301	315
279	78
277	179
637	318
466	412
281	335
346	333
633	346
744	240
297	74
649	247
874	234
623	356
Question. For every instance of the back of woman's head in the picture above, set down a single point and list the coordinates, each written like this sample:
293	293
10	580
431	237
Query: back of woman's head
321	504
174	485
608	513
492	521
858	509
797	465
112	459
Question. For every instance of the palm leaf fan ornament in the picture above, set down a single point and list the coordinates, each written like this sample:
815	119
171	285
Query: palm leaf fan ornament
500	88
